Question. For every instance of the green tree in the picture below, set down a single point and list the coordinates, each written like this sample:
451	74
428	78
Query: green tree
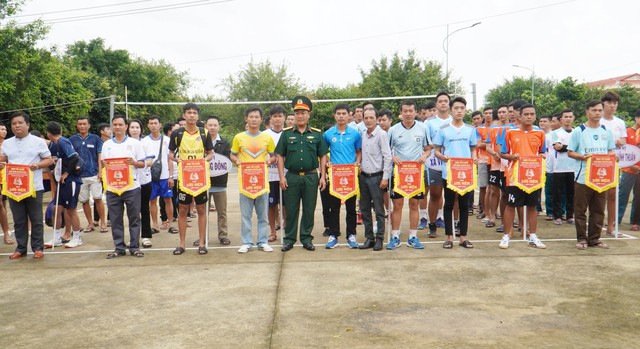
108	71
403	76
322	113
32	78
260	81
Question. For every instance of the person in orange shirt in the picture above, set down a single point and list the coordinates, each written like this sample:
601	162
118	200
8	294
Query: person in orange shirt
524	140
496	176
630	179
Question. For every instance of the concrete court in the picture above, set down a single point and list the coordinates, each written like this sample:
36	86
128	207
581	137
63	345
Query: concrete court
486	297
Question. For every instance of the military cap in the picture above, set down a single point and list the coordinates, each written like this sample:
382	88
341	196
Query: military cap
301	102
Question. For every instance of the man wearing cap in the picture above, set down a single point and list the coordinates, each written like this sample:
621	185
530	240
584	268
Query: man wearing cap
300	146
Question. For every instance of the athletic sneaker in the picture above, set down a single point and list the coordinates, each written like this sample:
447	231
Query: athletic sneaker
352	241
423	224
265	248
332	243
244	249
440	222
504	243
415	243
74	242
53	243
535	242
394	243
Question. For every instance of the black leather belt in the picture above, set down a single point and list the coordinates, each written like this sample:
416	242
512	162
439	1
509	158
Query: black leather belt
368	175
305	173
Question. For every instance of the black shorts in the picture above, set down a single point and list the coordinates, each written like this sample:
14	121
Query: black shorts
186	199
503	182
69	192
395	195
274	193
495	178
516	197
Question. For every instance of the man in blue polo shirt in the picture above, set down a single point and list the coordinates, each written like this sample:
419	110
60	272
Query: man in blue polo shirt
455	140
345	146
89	146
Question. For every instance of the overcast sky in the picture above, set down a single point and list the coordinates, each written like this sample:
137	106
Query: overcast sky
329	41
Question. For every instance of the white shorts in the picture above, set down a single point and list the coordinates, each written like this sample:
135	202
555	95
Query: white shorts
90	185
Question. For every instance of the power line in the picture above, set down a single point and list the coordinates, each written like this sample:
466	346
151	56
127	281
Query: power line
373	36
80	9
132	11
281	102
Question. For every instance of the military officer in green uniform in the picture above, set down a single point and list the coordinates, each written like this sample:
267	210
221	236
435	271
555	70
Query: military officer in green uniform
299	149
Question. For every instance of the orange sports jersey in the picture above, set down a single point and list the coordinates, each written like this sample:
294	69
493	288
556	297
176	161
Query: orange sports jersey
483	156
493	140
523	143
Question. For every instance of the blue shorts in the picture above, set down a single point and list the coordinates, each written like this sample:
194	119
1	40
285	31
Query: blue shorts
161	189
274	193
69	193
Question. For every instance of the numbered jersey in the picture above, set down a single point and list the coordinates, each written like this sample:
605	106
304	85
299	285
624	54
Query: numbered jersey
434	125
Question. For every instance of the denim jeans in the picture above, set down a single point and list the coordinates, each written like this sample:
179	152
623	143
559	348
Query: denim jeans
261	204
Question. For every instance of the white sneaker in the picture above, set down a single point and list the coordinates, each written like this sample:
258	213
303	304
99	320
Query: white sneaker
146	243
53	243
535	242
75	242
504	243
265	248
244	249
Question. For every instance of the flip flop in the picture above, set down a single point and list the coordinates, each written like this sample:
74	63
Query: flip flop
104	230
178	251
89	229
273	238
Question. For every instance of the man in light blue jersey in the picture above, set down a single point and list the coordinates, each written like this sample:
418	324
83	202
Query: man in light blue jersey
435	165
588	139
408	141
456	140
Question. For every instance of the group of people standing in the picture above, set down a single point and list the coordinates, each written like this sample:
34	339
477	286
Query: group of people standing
296	162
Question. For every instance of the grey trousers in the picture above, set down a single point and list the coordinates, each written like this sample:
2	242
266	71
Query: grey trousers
116	204
29	208
370	192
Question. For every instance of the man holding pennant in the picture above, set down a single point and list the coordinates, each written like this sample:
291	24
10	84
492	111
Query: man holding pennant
120	155
345	145
455	145
524	147
410	148
587	142
249	151
191	148
23	158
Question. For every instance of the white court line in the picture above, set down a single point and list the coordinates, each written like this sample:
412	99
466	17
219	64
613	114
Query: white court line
69	251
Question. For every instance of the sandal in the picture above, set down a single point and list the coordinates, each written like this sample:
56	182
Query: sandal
202	250
490	224
164	225
466	244
7	239
173	230
600	244
116	254
500	229
178	251
88	229
480	216
634	227
581	245
155	230
196	243
273	238
104	229
137	253
448	244
225	241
